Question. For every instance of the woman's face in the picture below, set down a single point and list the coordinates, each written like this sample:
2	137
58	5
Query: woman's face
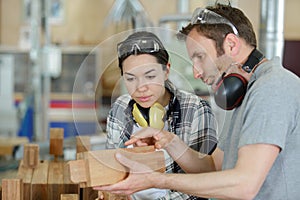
144	79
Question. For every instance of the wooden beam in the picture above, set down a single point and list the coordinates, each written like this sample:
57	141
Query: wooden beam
101	168
55	180
69	197
25	174
88	193
39	189
111	196
56	142
69	186
7	144
6	150
83	144
31	155
78	171
12	189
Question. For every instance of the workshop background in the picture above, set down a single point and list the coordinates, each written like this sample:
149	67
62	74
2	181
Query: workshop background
58	68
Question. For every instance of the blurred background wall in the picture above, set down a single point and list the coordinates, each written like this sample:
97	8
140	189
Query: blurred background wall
75	29
83	21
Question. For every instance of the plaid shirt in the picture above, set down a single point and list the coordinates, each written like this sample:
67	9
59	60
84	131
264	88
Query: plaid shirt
191	119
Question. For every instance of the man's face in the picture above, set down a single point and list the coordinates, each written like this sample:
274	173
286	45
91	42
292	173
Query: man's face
144	79
206	64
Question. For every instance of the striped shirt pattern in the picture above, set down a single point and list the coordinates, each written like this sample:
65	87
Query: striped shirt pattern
196	127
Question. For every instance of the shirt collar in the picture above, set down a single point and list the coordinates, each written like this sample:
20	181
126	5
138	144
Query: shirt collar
263	68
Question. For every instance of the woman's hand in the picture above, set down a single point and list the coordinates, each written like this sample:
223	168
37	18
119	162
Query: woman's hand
151	136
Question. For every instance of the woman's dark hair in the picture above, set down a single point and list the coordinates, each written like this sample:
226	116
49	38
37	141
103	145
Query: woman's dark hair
127	48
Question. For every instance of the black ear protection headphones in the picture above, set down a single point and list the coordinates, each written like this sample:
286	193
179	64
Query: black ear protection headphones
232	88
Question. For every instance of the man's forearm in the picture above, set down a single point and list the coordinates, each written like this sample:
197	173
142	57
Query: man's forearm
188	159
222	184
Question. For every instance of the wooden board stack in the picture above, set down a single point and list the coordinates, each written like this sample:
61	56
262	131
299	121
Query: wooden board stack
73	180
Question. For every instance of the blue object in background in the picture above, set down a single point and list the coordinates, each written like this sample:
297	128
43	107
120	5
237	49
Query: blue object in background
26	124
81	128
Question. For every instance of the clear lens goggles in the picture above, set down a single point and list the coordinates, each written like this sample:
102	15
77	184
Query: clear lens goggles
133	47
205	16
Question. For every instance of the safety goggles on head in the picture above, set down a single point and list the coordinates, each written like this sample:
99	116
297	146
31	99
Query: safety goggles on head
135	46
205	16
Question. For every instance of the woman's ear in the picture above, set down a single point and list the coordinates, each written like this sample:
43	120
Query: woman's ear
168	66
232	44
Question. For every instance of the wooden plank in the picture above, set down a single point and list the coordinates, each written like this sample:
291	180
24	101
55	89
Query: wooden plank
88	193
39	189
69	197
25	174
69	186
12	189
140	149
6	150
78	171
79	165
83	144
55	180
105	169
13	141
7	144
110	196
56	142
101	168
31	155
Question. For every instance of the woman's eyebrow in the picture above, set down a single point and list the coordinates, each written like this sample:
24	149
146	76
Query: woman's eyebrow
151	70
147	72
129	74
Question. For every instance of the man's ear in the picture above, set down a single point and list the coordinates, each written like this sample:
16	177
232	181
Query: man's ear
232	44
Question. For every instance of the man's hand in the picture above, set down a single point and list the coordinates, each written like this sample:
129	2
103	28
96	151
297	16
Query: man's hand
139	178
151	136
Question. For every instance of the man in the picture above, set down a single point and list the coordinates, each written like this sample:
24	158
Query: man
257	157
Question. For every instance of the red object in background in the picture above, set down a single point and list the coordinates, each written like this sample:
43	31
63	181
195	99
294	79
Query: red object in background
69	104
291	56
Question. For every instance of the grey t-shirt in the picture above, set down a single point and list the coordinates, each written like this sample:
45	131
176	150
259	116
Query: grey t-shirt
269	114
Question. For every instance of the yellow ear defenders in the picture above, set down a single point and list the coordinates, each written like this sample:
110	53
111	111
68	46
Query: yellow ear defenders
155	116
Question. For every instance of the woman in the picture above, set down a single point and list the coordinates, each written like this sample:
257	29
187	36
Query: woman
145	68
